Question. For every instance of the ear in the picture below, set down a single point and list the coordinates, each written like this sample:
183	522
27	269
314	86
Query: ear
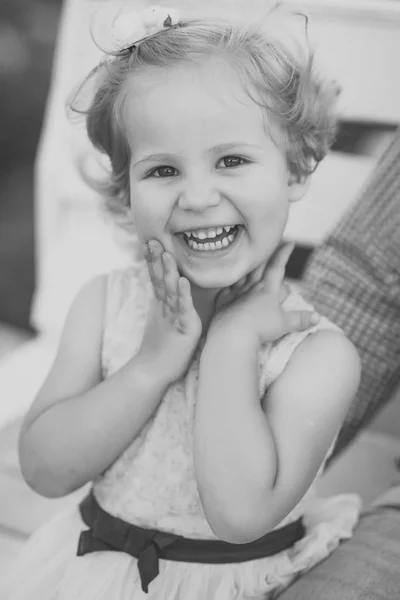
298	186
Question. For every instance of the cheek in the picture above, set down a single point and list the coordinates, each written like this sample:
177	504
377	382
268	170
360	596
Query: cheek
266	186
268	214
149	212
140	211
267	206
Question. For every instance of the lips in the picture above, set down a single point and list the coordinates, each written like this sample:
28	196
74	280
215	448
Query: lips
211	239
211	234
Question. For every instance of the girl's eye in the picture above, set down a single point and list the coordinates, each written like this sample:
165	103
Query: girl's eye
231	161
163	172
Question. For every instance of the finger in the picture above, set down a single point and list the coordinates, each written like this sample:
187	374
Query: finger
148	258
298	320
284	292
185	302
225	297
259	287
275	271
156	251
156	269
171	278
248	282
222	297
239	284
146	251
256	276
236	289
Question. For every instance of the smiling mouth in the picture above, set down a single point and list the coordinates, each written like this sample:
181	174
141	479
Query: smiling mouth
211	240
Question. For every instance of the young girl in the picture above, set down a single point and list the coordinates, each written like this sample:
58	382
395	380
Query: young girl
198	394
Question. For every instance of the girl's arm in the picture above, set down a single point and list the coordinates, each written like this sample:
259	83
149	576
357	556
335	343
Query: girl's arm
254	461
78	424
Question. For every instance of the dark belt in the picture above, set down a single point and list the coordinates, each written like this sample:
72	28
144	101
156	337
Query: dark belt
109	533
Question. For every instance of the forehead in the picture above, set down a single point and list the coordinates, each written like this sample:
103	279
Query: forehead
190	103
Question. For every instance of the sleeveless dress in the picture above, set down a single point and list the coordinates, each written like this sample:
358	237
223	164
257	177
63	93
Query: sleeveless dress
153	485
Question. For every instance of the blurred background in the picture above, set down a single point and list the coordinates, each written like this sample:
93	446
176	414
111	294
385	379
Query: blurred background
53	236
28	30
28	33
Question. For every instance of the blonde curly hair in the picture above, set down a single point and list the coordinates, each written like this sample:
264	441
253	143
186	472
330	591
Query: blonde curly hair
276	69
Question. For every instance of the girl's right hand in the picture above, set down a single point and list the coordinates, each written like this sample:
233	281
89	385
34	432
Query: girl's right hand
173	327
255	280
253	306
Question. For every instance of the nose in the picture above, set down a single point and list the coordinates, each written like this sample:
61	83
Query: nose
198	195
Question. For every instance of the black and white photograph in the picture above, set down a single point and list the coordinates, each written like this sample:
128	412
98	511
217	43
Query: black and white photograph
199	300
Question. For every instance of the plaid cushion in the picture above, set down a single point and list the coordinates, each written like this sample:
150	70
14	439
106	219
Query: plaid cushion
354	279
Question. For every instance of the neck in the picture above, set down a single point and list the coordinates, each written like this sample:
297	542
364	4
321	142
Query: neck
204	301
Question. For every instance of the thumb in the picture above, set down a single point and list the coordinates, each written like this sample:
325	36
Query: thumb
299	320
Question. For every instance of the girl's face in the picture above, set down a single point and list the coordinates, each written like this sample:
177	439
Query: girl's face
206	180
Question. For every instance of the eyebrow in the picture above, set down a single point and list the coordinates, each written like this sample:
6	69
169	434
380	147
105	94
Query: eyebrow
218	148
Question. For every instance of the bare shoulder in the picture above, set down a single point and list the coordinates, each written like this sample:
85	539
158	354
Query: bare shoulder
325	366
330	354
328	343
306	406
86	313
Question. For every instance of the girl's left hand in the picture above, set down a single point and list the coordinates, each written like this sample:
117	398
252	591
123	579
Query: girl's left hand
253	306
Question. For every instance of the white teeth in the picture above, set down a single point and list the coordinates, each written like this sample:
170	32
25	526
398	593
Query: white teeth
203	234
204	247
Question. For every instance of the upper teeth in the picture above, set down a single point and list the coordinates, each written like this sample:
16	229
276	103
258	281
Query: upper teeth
202	234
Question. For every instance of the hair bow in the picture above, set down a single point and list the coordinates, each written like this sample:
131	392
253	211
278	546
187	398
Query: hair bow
132	27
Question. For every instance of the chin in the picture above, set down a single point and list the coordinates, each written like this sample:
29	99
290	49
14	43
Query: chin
211	281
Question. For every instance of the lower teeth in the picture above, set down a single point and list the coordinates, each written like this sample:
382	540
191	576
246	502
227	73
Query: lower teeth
211	245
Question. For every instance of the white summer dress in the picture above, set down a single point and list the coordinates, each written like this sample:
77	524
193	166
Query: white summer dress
153	485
